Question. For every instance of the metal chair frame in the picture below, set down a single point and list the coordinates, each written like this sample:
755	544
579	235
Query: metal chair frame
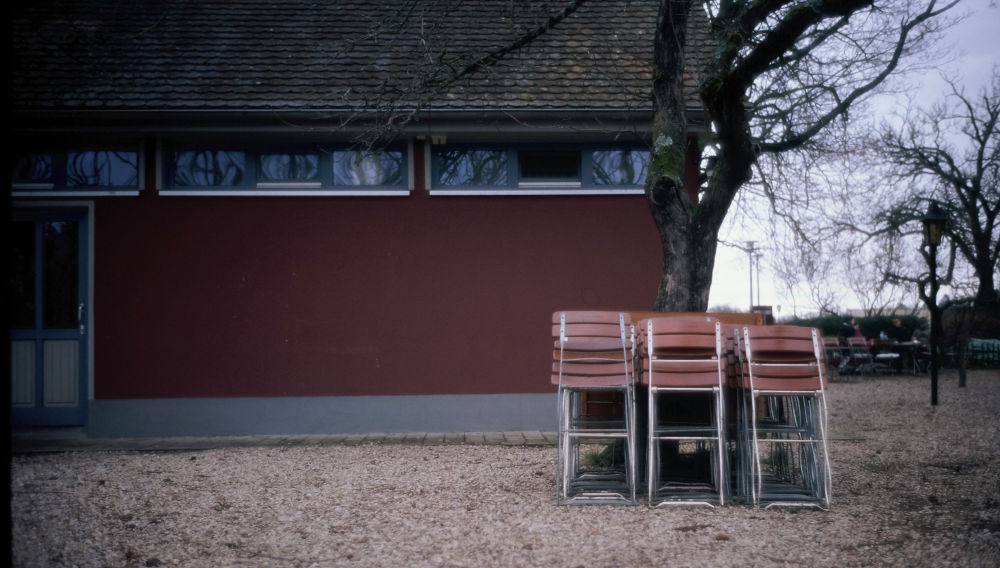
795	417
573	485
833	354
859	357
659	358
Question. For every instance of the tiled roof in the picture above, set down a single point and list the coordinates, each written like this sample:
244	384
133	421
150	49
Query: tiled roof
305	55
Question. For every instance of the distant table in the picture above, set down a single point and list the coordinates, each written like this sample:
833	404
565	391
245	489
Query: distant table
899	354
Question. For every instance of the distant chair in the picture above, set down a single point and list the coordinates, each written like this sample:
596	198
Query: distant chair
833	354
593	368
859	357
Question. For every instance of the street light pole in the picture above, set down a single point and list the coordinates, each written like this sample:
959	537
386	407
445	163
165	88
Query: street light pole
756	258
935	325
934	223
750	251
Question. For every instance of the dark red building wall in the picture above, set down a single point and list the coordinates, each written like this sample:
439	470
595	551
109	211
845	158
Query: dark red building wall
270	296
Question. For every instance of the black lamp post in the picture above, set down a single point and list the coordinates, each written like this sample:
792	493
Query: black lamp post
934	224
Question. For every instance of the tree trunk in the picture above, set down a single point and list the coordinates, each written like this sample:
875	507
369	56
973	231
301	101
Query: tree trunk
689	225
669	202
688	252
986	293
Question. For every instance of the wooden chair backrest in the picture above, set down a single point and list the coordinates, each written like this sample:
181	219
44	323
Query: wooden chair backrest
783	357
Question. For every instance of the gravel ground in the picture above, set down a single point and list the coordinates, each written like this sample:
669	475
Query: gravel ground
913	486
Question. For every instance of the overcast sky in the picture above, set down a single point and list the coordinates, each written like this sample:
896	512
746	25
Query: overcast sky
975	45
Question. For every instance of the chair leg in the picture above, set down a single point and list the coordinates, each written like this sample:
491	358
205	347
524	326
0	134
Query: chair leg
659	490
797	455
652	448
630	441
605	475
720	444
563	450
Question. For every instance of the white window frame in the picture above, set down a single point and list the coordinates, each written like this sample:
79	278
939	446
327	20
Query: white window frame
518	187
47	189
283	188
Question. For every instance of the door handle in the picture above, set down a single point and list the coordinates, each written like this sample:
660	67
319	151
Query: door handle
79	319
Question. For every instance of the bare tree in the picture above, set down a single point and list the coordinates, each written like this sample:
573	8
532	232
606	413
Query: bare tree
781	72
771	76
950	153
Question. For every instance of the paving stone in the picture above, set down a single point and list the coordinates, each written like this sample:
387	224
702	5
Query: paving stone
454	438
513	438
28	443
495	438
434	438
535	438
332	440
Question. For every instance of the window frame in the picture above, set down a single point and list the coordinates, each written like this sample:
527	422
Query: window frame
518	185
59	153
252	185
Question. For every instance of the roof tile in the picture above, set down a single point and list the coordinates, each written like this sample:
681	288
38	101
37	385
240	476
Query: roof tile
329	55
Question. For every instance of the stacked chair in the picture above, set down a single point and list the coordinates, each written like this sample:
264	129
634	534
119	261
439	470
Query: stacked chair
684	367
833	354
859	357
593	368
729	413
783	418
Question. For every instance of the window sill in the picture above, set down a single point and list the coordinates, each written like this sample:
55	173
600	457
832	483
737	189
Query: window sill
78	193
550	191
549	185
290	192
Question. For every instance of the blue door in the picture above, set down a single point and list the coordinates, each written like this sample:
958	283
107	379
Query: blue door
48	316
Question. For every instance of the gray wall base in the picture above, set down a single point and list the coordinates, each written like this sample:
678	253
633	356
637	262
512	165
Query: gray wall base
320	415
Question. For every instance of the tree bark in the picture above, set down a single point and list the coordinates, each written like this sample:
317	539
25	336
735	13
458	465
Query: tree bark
688	226
683	284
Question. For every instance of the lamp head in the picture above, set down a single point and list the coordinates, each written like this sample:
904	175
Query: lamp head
934	223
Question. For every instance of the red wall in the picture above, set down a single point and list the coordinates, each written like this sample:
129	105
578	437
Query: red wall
270	296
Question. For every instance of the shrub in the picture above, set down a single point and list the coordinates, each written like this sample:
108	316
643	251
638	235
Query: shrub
871	326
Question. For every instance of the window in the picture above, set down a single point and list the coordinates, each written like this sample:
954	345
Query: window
547	167
258	169
101	168
463	168
76	171
356	167
527	169
33	169
620	167
277	168
208	168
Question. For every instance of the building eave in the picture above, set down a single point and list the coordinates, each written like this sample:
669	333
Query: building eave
327	120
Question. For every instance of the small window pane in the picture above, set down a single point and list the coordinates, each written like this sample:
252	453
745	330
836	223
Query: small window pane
471	167
60	279
22	275
357	167
549	164
289	167
102	169
32	168
208	168
620	167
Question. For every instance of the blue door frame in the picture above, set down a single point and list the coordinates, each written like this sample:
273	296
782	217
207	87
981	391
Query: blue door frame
49	335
